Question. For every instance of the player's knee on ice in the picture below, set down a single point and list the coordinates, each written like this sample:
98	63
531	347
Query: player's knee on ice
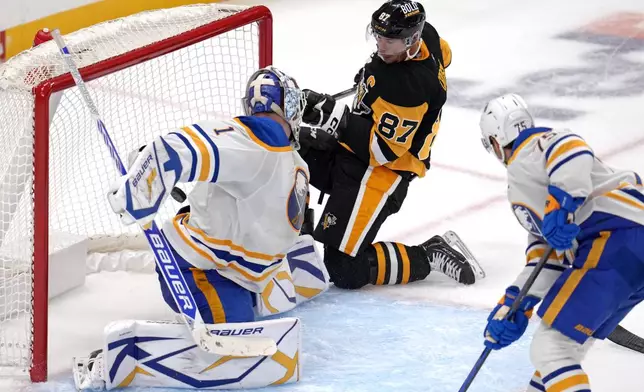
352	273
347	272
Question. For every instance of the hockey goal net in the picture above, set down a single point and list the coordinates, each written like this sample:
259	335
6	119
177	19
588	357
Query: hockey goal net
148	73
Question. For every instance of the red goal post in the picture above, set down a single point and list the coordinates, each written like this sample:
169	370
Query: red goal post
148	73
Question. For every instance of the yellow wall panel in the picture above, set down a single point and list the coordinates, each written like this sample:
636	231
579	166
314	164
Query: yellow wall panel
19	38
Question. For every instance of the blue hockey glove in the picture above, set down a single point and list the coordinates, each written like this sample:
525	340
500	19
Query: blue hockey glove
555	228
501	332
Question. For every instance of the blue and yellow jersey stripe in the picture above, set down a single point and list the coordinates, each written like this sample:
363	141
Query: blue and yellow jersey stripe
575	277
628	196
193	153
535	251
567	378
266	133
525	137
563	150
203	158
253	266
554	267
218	313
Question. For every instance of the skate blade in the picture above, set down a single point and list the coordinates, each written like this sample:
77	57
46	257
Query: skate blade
455	241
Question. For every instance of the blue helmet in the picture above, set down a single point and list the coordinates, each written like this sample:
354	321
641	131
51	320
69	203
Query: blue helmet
269	90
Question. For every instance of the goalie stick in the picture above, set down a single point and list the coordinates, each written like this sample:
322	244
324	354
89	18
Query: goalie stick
220	345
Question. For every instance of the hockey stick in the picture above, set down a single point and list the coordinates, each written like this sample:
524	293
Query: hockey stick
345	93
513	309
340	95
220	345
625	338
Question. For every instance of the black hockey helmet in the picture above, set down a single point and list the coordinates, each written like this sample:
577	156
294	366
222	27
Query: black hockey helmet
398	19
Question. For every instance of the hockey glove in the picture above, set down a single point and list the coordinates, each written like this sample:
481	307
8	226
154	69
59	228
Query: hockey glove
138	195
501	332
358	78
322	111
555	228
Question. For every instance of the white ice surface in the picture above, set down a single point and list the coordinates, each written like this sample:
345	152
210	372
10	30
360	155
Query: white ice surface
424	336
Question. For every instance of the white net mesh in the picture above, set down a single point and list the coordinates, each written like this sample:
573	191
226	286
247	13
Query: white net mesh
203	80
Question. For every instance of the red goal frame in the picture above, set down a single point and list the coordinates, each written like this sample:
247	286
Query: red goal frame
40	262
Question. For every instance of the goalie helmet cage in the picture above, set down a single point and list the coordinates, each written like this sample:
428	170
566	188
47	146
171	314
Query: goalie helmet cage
148	73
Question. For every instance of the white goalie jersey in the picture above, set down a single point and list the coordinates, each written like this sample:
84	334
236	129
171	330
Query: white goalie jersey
542	157
248	205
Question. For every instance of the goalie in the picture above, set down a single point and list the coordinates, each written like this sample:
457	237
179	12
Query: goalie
238	247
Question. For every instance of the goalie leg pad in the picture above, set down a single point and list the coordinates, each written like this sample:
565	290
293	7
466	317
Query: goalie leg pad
301	278
163	354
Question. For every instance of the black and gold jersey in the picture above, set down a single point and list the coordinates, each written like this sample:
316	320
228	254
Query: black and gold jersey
397	108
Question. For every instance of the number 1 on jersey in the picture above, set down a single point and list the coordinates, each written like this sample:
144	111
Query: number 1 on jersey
223	130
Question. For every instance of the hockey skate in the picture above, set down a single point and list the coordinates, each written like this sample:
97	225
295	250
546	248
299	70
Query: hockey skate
88	372
456	242
444	258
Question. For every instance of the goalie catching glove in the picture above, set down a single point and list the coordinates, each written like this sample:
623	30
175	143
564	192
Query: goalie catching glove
138	195
323	112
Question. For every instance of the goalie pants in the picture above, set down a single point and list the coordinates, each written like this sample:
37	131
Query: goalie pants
604	284
218	299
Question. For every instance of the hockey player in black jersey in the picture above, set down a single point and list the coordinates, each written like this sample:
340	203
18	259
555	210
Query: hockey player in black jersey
365	158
